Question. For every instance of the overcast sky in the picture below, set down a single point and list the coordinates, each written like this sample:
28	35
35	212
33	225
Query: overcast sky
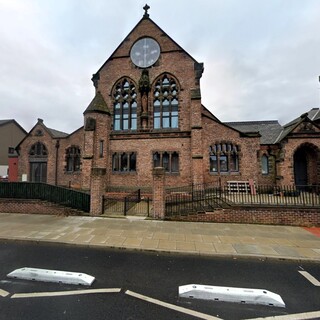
261	58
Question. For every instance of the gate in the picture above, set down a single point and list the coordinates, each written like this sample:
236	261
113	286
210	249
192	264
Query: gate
130	204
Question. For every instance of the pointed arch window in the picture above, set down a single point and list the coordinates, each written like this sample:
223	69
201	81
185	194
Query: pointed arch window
124	105
165	103
38	150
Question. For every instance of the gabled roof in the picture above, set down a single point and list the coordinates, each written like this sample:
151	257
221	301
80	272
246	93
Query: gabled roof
269	130
207	113
144	18
314	114
57	134
7	121
2	122
98	104
310	116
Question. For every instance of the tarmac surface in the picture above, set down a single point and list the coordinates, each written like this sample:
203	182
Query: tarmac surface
210	239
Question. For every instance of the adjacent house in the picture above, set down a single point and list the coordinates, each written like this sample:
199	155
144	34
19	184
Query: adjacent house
10	135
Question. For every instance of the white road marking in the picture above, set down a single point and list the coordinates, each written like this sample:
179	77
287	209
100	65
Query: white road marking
311	278
171	306
296	316
4	293
63	293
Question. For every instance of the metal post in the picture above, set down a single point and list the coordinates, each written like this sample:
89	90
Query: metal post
125	206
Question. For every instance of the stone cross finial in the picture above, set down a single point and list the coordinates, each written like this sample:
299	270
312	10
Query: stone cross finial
146	8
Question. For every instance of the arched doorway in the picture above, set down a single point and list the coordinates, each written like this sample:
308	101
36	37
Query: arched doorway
306	163
38	156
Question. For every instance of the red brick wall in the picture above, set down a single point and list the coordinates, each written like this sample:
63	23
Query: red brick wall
173	60
46	139
145	148
286	165
64	178
270	178
215	132
35	206
258	215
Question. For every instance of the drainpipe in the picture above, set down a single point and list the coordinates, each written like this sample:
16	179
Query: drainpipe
57	154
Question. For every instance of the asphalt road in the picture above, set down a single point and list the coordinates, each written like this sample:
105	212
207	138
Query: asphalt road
148	284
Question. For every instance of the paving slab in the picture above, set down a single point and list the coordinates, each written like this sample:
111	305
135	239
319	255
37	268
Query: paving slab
161	236
116	241
132	242
254	249
225	248
186	246
149	244
205	247
167	245
241	240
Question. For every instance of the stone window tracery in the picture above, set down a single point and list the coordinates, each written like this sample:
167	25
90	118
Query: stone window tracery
165	103
124	105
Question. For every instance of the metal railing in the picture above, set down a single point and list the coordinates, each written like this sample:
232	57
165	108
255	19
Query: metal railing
207	197
42	191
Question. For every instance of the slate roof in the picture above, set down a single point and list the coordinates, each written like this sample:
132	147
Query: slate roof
98	104
5	121
312	115
269	130
57	134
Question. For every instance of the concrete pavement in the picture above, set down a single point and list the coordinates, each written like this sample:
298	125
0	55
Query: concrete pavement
212	239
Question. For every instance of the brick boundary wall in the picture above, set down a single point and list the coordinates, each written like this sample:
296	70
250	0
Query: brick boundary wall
258	215
271	216
37	207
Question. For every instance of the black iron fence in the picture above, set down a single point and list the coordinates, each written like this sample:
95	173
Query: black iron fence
127	204
300	195
42	191
206	197
193	198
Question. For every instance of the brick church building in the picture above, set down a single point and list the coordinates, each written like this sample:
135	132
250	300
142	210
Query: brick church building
147	113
